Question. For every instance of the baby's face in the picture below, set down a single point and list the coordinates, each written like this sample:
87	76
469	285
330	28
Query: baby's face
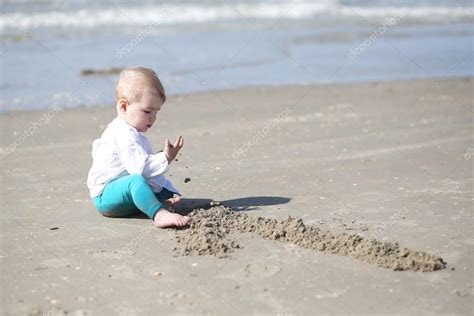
142	114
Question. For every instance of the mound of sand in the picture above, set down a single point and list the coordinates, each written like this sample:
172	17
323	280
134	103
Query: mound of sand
209	229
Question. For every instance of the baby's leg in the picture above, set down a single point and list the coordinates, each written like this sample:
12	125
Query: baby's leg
133	191
113	202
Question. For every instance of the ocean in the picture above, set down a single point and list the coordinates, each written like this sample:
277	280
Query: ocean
57	53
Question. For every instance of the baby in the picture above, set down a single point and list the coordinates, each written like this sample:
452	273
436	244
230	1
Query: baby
126	177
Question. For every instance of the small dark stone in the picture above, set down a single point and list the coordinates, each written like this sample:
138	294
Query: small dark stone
54	228
187	180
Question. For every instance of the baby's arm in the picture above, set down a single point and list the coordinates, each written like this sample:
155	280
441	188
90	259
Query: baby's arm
137	160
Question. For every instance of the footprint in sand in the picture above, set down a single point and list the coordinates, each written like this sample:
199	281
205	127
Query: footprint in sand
122	272
117	254
261	270
55	263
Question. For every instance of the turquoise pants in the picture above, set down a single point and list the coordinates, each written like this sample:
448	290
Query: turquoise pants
128	196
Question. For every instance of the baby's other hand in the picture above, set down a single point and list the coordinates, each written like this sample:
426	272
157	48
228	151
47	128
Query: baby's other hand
171	151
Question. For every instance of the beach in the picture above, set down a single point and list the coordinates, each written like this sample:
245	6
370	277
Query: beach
387	160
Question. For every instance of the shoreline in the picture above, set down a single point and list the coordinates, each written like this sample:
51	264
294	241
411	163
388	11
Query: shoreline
258	87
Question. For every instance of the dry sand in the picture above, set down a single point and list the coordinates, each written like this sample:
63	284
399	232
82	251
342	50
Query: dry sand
390	162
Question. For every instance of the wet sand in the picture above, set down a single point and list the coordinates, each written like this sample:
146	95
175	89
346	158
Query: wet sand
390	162
209	227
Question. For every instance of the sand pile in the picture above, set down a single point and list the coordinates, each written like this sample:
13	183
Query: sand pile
208	234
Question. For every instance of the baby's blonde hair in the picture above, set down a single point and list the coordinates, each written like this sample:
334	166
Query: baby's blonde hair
133	82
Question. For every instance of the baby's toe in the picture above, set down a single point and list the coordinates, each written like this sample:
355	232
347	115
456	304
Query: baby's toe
183	221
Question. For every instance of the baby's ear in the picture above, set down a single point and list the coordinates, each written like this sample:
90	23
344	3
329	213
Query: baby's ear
122	105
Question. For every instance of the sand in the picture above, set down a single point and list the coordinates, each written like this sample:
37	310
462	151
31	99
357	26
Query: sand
383	161
208	230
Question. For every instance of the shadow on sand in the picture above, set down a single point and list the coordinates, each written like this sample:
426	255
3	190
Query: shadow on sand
240	204
187	205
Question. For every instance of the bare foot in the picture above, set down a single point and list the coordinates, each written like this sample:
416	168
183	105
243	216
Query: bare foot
173	201
164	218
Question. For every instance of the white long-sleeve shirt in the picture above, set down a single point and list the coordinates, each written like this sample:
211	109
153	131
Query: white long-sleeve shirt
122	150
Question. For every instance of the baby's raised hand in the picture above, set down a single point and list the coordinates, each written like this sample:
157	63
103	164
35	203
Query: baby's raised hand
171	151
